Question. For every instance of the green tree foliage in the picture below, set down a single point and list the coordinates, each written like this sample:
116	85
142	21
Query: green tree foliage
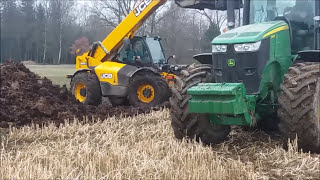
27	38
10	30
42	31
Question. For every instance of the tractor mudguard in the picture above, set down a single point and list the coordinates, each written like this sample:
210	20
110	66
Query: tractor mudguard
309	55
128	71
203	58
70	76
150	69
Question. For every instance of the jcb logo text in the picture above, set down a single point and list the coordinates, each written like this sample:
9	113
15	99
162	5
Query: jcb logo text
142	6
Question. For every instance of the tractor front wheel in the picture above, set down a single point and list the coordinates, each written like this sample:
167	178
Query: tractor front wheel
86	88
193	126
299	110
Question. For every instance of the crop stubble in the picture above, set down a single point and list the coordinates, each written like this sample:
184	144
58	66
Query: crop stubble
124	146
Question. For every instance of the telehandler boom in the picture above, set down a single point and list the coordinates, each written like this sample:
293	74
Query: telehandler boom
109	47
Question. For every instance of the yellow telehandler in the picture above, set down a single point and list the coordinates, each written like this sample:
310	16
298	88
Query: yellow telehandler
126	67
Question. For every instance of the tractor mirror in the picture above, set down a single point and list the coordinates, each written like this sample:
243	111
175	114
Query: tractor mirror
173	57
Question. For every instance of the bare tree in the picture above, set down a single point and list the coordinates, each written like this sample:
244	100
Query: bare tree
45	31
112	12
60	11
153	21
214	17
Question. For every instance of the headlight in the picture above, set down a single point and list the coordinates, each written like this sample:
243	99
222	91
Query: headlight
219	48
248	47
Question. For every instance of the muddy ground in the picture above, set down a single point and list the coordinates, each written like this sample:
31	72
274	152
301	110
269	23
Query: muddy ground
27	98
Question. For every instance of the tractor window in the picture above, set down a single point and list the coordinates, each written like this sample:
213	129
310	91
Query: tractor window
299	13
155	50
137	50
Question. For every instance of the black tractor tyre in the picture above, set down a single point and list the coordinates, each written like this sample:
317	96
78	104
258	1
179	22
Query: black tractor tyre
160	93
92	87
299	109
166	92
193	126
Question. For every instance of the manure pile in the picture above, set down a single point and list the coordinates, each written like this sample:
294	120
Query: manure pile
25	97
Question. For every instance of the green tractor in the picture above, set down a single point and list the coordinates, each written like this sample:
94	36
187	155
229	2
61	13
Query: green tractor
265	73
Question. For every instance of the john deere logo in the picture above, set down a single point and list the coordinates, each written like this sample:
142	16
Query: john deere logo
231	63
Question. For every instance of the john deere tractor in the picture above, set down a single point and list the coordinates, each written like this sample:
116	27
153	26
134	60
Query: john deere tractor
265	73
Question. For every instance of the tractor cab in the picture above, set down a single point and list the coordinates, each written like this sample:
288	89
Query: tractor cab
148	52
301	16
143	51
298	14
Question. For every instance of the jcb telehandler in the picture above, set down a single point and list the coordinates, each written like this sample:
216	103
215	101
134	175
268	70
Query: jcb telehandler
125	67
266	72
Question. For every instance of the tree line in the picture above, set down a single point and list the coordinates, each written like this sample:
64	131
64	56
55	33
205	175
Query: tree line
49	32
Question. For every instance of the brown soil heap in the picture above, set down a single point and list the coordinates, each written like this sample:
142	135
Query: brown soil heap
26	97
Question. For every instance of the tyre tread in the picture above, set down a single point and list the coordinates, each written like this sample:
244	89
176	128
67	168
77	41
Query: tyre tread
298	106
190	126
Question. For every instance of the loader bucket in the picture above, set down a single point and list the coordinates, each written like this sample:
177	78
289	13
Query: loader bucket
226	103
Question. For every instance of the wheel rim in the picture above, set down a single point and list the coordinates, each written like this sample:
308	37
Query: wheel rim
145	93
80	92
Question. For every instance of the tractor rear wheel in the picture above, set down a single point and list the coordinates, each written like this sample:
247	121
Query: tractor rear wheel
193	126
147	90
299	110
86	88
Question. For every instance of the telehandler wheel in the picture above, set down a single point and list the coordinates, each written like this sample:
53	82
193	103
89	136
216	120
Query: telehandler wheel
299	110
193	126
86	88
147	90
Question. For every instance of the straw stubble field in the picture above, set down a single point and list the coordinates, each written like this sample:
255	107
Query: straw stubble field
143	147
136	147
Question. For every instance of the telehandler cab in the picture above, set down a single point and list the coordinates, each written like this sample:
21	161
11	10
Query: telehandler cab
266	72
